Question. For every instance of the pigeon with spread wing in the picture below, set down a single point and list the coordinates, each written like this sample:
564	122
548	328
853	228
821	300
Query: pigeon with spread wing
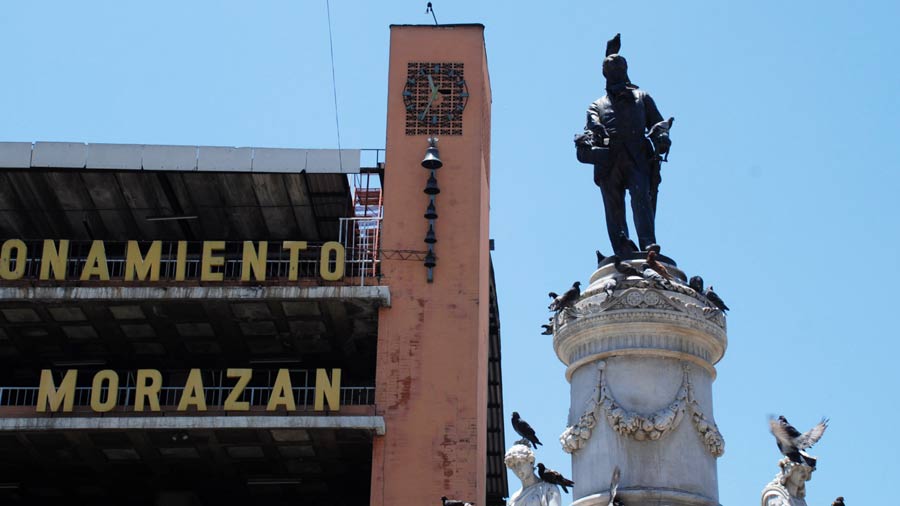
791	442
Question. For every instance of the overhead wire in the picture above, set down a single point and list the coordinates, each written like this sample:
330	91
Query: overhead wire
337	121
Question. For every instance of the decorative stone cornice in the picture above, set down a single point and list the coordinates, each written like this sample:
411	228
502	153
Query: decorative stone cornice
640	318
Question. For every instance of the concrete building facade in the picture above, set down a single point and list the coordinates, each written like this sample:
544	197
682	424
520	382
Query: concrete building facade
212	325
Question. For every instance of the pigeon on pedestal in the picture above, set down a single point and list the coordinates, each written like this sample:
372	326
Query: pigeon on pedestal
523	429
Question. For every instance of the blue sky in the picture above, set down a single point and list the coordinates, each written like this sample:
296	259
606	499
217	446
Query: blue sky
780	189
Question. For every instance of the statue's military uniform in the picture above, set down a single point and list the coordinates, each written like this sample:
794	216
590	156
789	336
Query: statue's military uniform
630	164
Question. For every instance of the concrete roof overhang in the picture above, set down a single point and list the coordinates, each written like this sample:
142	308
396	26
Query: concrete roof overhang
108	191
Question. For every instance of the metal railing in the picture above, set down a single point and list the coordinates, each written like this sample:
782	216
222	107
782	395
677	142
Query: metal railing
361	257
215	396
217	387
360	237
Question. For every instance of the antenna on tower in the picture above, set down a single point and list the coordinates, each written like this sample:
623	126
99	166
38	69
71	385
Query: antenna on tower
430	9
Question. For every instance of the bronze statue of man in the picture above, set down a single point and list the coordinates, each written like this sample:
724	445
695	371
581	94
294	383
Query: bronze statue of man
624	138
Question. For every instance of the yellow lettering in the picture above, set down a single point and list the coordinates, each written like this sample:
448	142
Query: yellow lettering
48	395
6	259
325	270
231	402
208	261
294	247
180	260
112	391
193	394
139	266
282	392
149	391
254	260
95	265
330	390
54	260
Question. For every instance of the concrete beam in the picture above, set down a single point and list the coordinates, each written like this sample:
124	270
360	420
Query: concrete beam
373	423
24	155
381	294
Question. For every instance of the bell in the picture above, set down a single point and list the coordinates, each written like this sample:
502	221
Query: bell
429	237
432	158
431	212
429	259
432	187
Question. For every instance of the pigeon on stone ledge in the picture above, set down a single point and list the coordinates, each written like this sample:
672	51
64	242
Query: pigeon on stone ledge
715	299
791	442
651	275
567	299
523	429
656	266
554	478
624	268
696	282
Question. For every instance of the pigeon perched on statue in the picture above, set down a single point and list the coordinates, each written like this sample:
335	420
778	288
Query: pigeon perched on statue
791	442
659	134
455	502
624	268
715	299
523	429
614	44
567	299
554	478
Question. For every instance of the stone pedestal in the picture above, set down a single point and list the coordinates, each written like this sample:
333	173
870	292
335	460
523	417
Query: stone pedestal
641	367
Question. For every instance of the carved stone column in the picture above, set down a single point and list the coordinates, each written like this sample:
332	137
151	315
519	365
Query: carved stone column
641	367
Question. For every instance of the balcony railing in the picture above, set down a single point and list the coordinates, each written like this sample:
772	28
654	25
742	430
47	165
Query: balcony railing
216	388
358	236
215	396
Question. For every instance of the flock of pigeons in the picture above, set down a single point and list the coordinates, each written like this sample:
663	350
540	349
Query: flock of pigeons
791	443
651	269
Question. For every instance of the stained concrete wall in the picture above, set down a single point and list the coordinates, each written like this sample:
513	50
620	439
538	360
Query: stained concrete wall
431	379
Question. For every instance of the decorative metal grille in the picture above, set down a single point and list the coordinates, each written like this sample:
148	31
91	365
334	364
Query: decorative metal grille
444	115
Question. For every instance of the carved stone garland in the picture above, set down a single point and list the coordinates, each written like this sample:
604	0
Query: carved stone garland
640	427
